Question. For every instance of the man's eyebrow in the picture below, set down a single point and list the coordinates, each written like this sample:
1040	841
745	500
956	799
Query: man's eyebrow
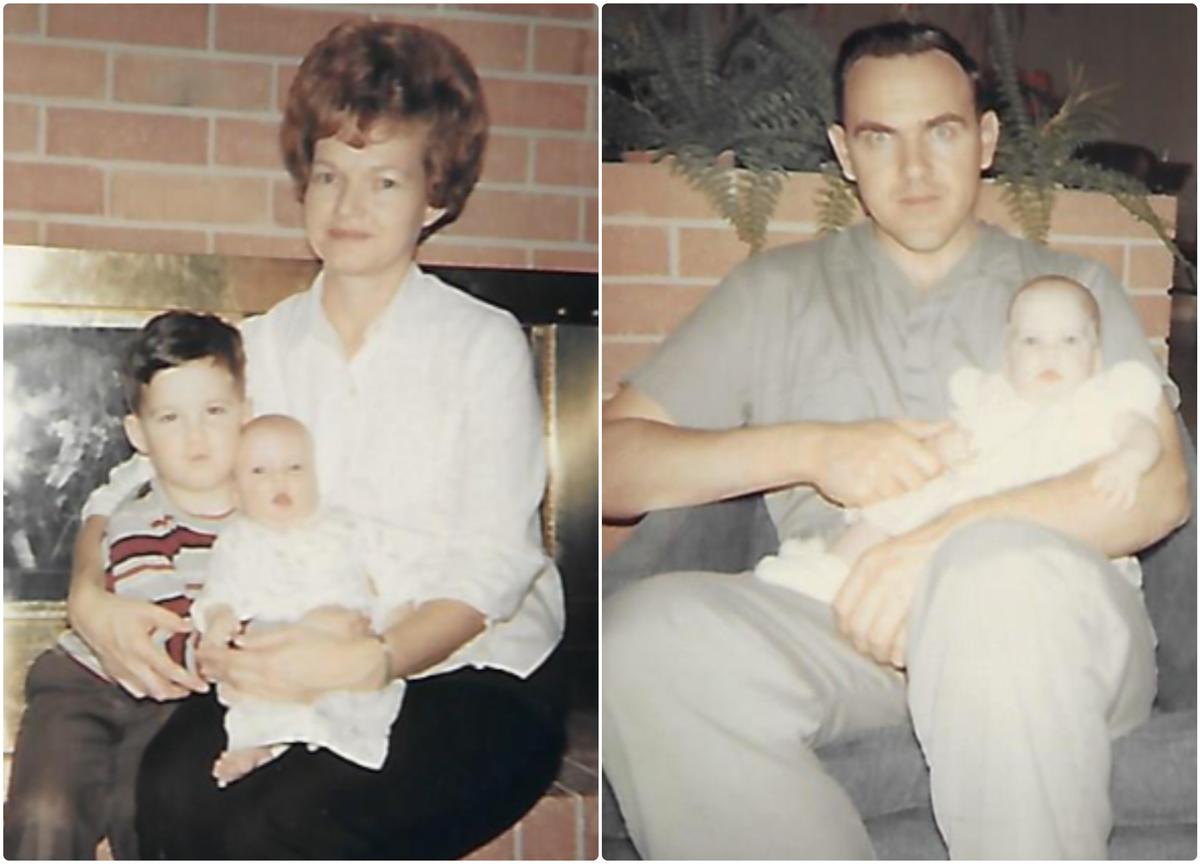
872	126
948	117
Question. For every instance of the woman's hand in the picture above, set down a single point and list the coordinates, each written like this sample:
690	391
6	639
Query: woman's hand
120	630
297	663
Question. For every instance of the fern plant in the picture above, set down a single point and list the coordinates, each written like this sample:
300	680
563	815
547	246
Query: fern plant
1034	159
736	112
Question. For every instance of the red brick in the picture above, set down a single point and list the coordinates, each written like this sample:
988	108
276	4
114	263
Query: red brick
20	127
286	210
565	259
532	216
490	45
54	70
125	239
549	831
649	307
537	104
500	849
186	82
53	188
1154	311
1111	255
712	252
564	50
591	222
1098	214
635	250
189	197
280	30
21	18
248	143
1150	267
620	358
274	29
262	245
591	829
506	160
126	135
20	232
566	162
550	10
650	190
184	26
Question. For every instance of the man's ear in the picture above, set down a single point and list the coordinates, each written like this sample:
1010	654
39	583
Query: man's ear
134	432
989	136
837	138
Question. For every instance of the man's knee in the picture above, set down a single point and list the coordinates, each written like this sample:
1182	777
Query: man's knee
37	820
1001	567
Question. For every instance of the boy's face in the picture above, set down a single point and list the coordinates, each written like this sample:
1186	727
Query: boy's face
1052	344
912	141
189	423
275	476
364	208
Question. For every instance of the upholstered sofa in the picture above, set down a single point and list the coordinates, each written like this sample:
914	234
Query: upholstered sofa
1154	767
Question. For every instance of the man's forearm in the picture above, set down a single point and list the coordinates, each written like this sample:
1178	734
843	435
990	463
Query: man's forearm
649	465
1072	505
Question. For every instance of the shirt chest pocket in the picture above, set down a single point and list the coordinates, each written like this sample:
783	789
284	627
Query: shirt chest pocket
830	388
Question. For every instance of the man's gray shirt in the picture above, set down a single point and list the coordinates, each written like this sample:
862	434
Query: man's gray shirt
832	330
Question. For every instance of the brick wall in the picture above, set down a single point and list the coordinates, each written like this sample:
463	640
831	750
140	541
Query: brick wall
153	128
664	249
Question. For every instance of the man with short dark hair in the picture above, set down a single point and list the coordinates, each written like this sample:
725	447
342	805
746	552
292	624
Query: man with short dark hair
814	373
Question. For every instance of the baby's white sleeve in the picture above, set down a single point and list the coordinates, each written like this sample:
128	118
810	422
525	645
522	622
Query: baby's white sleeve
1133	387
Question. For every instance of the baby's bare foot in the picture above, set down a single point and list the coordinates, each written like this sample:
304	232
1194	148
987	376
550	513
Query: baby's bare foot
236	764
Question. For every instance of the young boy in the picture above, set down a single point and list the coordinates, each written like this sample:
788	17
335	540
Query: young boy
1050	409
82	735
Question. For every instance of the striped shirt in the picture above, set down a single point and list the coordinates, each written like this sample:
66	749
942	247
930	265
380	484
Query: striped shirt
154	551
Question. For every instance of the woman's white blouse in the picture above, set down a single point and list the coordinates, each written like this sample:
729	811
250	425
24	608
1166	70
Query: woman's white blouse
434	427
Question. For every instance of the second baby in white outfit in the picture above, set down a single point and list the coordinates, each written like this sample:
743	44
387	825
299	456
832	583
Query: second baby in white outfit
286	559
1049	410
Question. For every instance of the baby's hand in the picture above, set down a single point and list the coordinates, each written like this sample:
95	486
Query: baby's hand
1117	477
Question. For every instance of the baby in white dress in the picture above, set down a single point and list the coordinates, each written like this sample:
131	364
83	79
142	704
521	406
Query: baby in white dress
285	559
1049	410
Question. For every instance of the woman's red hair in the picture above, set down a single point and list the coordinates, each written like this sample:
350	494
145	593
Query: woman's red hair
364	73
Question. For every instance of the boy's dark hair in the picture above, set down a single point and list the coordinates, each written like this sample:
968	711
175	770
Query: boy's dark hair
367	72
896	39
174	338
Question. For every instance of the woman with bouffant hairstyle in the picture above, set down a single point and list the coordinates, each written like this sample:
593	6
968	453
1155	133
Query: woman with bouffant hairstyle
342	90
427	424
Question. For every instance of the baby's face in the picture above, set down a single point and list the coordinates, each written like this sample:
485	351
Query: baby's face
1052	344
275	476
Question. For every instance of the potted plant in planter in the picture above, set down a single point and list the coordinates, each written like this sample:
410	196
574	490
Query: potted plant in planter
735	110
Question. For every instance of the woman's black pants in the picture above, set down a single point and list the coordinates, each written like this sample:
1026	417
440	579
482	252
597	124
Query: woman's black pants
471	751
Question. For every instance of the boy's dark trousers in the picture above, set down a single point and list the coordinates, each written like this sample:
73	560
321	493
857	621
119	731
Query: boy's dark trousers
77	755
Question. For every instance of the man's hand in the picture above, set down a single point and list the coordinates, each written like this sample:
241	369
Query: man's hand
871	609
120	630
861	463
